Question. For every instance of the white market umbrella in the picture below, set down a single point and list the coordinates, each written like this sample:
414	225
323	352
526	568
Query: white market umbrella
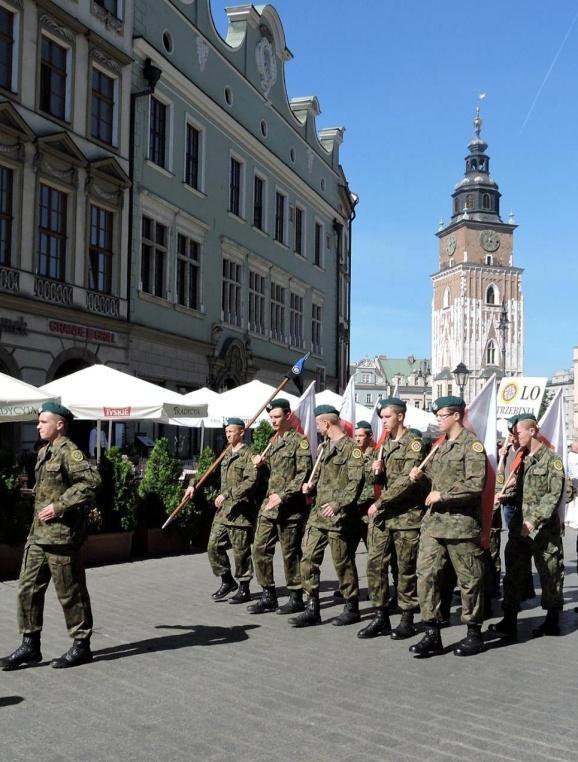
243	402
416	418
328	397
20	401
203	396
100	393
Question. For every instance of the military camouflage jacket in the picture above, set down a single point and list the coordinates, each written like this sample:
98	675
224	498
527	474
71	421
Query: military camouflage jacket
401	503
339	481
289	465
539	488
67	480
370	479
238	482
458	472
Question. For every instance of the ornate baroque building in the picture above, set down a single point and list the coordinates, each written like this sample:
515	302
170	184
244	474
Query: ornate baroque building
380	377
477	308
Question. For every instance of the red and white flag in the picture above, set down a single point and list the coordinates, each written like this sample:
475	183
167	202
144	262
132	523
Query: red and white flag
481	420
302	417
376	424
347	412
553	434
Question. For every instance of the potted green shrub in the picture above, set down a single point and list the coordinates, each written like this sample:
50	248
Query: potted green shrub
15	518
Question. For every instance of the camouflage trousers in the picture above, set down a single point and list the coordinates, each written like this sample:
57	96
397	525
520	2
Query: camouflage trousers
383	546
466	557
269	532
315	540
546	550
62	564
224	537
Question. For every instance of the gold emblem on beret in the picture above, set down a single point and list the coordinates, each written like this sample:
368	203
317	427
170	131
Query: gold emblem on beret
478	447
356	453
304	444
77	456
415	446
557	465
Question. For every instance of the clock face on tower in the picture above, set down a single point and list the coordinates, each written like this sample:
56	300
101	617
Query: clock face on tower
490	240
451	245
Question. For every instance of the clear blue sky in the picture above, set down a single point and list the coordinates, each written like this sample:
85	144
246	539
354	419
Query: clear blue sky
403	78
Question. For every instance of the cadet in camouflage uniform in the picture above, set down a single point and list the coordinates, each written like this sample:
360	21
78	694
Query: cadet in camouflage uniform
452	527
234	521
395	519
535	532
338	482
364	440
65	484
282	514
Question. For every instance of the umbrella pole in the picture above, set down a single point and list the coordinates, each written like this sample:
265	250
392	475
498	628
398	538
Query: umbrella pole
98	430
202	436
109	440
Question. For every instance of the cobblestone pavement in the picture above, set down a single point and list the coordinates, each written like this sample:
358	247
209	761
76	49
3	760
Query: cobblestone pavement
179	677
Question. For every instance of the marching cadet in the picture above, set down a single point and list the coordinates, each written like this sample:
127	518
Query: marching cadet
337	483
535	532
65	484
394	522
364	440
234	521
451	528
282	514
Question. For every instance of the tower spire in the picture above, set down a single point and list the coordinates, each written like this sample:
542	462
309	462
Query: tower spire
477	122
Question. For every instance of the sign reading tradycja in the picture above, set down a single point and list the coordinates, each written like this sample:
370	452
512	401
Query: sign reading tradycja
522	394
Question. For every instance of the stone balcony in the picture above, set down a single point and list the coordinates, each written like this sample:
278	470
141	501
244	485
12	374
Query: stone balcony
31	286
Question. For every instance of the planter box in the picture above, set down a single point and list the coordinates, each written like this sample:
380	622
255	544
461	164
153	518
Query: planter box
110	548
10	560
165	543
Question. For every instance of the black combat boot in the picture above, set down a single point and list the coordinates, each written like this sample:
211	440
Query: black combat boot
294	605
28	652
550	625
267	602
242	595
228	584
506	627
379	625
431	643
310	616
405	628
350	613
78	653
472	644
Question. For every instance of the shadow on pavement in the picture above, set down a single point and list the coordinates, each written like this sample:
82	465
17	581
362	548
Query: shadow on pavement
193	635
10	700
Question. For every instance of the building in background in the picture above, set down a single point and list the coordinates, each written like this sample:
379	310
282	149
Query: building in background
241	234
564	380
477	308
379	377
65	77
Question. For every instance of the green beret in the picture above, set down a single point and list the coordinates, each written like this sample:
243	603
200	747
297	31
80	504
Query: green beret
512	422
392	401
449	401
526	417
280	403
235	422
54	407
416	433
363	425
326	410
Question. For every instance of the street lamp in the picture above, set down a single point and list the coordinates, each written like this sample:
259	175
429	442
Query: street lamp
502	328
460	374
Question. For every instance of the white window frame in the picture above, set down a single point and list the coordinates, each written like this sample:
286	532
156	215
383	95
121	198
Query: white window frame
115	110
182	230
317	302
242	191
265	212
299	293
303	253
228	252
69	74
190	122
168	168
321	264
16	13
285	196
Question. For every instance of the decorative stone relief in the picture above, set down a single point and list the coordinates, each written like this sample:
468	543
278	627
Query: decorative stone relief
266	65
202	52
108	18
108	63
53	26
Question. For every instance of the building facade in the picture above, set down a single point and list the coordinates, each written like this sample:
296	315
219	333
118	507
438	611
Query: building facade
564	379
477	307
240	259
380	377
65	78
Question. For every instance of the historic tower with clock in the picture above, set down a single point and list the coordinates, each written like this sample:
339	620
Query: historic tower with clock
477	308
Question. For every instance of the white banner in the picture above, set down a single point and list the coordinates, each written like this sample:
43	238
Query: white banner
520	395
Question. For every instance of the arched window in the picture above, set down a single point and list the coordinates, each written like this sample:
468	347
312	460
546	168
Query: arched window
456	205
446	298
469	201
491	353
489	259
491	295
486	201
